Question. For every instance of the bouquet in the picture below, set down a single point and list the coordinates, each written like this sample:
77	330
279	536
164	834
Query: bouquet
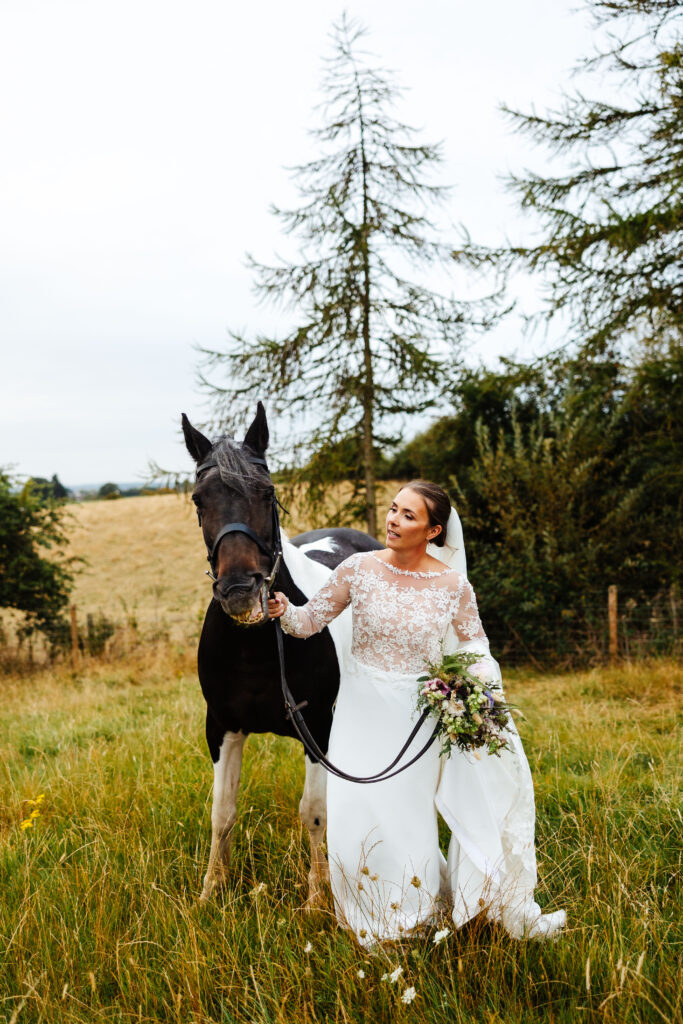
470	712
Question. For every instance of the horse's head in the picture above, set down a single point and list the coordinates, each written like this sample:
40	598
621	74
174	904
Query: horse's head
234	497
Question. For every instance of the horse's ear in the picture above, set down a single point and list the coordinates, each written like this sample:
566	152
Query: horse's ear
197	445
257	435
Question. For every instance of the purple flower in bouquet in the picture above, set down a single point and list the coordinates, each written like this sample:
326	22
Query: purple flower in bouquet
470	710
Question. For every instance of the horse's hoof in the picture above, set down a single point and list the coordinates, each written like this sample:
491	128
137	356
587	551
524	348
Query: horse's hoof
210	889
205	894
317	896
315	901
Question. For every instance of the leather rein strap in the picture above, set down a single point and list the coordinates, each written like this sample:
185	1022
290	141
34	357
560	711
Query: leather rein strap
293	709
314	751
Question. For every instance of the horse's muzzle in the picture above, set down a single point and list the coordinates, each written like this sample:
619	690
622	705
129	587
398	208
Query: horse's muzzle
245	602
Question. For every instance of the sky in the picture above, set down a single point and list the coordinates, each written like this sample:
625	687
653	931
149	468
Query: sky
143	143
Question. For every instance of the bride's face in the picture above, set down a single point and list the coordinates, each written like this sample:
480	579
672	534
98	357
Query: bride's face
408	521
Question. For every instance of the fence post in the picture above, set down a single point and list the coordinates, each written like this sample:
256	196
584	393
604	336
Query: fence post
74	639
613	622
673	596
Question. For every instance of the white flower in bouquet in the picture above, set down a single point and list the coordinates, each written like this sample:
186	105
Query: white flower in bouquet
471	712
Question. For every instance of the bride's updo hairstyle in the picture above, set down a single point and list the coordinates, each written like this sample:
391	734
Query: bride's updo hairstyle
438	506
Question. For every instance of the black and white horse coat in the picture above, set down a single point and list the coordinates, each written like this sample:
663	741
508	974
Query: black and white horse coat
238	663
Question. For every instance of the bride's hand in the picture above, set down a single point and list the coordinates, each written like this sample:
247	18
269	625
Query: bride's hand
277	605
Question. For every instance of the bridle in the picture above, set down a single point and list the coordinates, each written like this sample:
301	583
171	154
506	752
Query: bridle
274	553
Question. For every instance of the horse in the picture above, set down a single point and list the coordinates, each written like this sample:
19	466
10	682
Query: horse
237	658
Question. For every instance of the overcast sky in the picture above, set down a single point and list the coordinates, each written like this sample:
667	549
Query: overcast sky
142	143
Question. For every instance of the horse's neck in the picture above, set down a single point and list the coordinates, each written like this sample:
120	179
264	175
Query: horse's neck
285	584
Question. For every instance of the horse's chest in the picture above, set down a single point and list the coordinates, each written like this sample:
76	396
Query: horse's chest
240	679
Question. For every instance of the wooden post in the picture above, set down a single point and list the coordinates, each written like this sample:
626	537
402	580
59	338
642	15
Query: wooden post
75	653
673	596
613	622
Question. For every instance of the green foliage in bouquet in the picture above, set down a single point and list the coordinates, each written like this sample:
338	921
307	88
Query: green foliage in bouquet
470	712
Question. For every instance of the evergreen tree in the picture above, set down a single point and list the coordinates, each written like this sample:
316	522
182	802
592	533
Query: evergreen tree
370	346
611	252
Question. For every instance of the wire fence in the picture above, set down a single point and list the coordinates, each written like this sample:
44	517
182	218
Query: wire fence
615	623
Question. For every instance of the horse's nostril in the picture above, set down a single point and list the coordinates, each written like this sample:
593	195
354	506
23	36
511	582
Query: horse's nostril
225	587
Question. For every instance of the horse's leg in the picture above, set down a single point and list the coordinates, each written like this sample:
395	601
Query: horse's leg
313	814
226	780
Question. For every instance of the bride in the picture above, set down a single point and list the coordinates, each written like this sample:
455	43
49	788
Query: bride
410	602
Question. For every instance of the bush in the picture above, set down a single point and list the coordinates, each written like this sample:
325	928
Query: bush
568	479
37	586
109	490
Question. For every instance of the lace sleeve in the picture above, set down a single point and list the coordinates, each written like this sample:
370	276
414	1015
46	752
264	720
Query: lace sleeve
471	636
466	621
330	601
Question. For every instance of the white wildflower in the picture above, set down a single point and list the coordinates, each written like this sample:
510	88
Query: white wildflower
395	975
408	995
440	936
385	977
360	974
308	948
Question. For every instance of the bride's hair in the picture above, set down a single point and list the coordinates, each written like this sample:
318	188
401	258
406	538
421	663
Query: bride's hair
438	506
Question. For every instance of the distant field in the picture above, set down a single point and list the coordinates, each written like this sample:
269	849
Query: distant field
99	919
146	557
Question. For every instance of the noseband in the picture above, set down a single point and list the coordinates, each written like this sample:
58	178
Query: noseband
274	552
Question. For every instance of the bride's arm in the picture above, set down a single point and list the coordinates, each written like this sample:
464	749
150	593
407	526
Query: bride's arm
470	633
327	604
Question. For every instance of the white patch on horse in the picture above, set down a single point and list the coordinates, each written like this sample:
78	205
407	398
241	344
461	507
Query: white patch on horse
226	780
324	544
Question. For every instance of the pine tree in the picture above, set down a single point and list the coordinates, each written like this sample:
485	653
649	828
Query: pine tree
370	346
611	252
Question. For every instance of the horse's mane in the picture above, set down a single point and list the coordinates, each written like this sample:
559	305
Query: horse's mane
236	468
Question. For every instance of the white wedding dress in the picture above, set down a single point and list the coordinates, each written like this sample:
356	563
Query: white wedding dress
388	875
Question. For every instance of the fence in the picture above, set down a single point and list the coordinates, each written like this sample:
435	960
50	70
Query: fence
613	624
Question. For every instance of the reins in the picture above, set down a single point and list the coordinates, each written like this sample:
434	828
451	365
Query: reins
312	748
292	707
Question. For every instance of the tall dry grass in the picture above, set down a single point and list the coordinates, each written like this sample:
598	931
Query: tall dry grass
100	920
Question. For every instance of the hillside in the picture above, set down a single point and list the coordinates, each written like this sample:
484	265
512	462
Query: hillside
145	558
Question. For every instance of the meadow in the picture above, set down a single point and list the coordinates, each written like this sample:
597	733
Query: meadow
105	827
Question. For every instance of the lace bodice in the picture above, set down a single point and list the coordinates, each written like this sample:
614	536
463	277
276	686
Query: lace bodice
399	618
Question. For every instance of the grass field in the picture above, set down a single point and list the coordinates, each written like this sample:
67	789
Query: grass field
100	918
105	824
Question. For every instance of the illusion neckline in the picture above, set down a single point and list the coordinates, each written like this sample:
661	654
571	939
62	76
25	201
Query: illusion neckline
410	572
